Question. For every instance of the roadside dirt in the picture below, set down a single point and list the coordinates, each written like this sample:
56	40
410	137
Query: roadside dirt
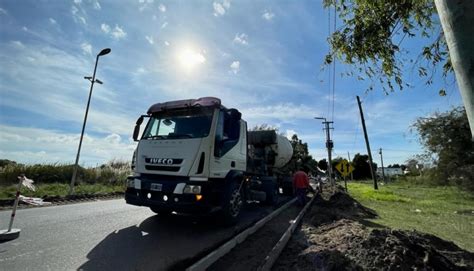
335	235
250	254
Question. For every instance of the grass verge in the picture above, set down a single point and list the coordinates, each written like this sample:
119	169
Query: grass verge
60	189
443	211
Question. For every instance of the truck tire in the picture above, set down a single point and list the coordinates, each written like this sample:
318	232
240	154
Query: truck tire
160	212
232	203
271	190
287	191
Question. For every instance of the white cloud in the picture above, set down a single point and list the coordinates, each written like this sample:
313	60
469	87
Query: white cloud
65	102
167	43
96	5
2	11
24	28
86	48
144	4
105	28
284	112
220	8
289	133
241	38
268	15
149	39
164	25
76	16
235	67
77	2
141	70
113	139
154	17
118	33
226	4
162	8
35	145
18	44
52	21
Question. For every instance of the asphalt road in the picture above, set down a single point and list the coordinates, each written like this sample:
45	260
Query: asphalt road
110	235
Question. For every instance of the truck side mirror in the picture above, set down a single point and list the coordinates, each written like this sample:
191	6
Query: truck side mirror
136	131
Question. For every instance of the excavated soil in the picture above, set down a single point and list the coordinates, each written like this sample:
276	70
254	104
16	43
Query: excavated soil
334	235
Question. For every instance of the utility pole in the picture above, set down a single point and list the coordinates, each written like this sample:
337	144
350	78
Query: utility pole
350	162
457	20
367	144
329	146
381	160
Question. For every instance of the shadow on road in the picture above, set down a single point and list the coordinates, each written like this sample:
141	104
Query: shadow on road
154	244
159	243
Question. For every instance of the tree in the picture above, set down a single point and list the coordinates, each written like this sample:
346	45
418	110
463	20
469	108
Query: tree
301	158
6	162
361	165
446	137
373	32
264	127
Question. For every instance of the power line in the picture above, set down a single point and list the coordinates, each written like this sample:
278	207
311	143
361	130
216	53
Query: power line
334	68
329	70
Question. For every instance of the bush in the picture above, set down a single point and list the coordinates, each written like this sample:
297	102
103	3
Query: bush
112	173
463	177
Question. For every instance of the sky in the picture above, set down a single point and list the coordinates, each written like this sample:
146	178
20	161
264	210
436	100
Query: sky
264	58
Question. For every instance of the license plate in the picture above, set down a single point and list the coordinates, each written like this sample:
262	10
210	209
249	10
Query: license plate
156	186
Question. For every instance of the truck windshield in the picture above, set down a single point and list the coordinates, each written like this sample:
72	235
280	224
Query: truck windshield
188	123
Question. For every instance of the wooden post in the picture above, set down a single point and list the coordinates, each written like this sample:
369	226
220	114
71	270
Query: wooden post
367	144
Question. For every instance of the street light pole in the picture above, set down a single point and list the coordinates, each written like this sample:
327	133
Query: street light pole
92	80
329	146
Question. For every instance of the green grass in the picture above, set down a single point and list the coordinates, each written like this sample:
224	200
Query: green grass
426	209
60	189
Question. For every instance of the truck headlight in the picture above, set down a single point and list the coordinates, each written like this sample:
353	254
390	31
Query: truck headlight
192	189
134	183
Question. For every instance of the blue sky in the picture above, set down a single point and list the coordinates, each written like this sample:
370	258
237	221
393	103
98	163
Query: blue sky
262	57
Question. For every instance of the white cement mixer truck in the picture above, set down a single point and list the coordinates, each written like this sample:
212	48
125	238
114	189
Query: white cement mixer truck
196	156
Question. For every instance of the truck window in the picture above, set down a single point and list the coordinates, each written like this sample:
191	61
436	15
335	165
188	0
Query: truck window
228	131
182	124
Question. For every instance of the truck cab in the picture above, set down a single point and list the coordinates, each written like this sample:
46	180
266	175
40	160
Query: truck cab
192	157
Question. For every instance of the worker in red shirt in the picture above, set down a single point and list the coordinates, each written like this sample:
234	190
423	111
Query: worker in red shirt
301	185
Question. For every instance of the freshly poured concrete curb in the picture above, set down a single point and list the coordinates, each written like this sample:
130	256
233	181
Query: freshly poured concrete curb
280	245
6	235
229	245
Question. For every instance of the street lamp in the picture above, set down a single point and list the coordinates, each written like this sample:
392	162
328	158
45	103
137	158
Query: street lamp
329	145
92	80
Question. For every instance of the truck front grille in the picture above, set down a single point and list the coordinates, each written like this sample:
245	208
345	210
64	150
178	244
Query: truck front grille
162	168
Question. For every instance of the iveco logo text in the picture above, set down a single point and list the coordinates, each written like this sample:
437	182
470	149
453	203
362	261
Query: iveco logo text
163	161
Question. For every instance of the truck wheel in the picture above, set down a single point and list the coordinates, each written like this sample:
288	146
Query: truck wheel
232	204
287	191
160	212
271	190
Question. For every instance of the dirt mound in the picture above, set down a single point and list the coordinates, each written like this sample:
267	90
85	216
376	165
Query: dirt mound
332	237
349	245
339	206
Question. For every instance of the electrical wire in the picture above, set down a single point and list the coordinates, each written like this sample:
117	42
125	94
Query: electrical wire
334	67
329	70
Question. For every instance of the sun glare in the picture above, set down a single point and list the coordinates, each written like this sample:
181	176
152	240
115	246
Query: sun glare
189	59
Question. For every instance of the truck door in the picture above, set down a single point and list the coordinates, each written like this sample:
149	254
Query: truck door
228	141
